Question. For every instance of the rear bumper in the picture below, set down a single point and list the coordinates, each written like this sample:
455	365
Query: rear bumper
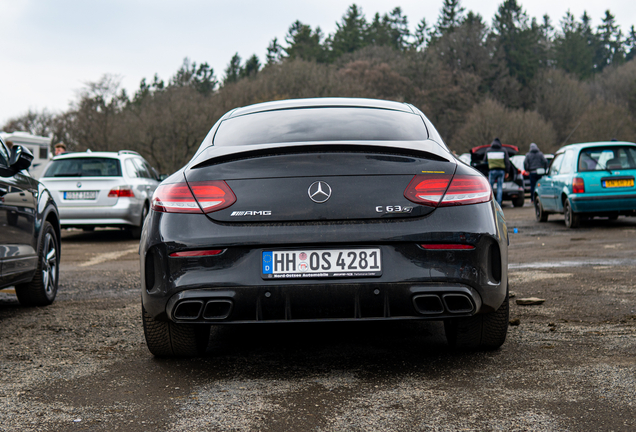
124	212
413	285
599	203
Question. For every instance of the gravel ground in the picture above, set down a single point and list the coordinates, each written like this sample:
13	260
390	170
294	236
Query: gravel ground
569	365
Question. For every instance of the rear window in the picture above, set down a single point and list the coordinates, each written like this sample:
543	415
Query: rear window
321	124
604	158
84	167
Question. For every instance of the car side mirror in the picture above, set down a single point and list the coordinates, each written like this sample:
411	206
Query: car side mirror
20	159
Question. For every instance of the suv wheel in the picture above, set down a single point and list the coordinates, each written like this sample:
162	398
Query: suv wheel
539	213
41	291
168	339
482	331
572	219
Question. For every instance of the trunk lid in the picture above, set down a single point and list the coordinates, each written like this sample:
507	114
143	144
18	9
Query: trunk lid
79	191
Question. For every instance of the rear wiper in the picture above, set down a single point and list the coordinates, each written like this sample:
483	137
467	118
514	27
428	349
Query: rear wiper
75	174
604	167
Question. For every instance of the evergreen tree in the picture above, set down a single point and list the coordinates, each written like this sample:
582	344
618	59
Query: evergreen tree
421	36
630	44
234	70
573	51
304	43
274	52
610	49
252	67
389	30
350	33
450	17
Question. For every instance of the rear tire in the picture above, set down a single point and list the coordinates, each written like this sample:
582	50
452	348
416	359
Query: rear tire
482	331
518	202
539	213
136	231
572	220
168	339
42	289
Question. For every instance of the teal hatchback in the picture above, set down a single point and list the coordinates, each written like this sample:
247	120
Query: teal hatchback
588	180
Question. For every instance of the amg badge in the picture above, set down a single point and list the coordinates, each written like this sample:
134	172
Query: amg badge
252	213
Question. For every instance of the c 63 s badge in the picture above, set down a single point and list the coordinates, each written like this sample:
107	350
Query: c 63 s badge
393	209
252	213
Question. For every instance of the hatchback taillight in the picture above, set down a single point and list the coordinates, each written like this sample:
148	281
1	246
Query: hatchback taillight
183	198
578	185
463	189
121	191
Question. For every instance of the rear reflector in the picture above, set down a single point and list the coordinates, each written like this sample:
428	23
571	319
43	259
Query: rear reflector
447	246
578	185
121	191
178	198
463	189
211	252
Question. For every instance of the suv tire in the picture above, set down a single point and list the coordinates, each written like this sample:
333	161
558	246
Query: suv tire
482	331
42	289
168	339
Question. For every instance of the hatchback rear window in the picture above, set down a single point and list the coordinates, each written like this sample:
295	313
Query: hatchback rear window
604	158
321	124
84	167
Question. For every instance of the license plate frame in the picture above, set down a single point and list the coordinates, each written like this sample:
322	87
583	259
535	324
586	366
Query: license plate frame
321	263
80	195
610	184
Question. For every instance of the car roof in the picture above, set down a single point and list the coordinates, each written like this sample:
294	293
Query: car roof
114	155
579	146
321	103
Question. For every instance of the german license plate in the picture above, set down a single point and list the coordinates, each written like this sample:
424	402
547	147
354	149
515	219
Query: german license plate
618	183
322	263
80	195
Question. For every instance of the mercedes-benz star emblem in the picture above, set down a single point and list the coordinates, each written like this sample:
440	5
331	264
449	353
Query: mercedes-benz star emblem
319	192
79	184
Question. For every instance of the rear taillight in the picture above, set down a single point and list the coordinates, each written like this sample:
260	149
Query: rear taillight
121	192
578	185
427	189
463	189
179	198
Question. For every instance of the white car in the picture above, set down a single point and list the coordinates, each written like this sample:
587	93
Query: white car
101	189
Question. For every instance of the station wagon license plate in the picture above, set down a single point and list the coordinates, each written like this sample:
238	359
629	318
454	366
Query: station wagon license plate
80	195
323	263
618	183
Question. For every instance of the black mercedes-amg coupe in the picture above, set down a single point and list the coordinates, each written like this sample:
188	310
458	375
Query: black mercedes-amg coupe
327	209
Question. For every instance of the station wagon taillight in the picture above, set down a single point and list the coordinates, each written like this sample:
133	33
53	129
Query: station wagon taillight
435	190
195	197
121	192
578	185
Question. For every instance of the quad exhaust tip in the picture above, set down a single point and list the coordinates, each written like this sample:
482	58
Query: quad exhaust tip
194	309
433	304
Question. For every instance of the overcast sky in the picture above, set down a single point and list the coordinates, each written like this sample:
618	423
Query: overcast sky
50	48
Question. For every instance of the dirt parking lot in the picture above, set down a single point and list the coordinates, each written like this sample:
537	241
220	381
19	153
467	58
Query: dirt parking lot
569	365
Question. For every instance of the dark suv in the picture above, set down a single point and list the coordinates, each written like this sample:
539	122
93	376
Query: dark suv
29	231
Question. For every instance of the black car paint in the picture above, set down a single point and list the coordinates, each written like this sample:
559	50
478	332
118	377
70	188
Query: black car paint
234	275
21	224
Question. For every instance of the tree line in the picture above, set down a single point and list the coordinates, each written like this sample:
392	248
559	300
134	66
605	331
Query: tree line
519	78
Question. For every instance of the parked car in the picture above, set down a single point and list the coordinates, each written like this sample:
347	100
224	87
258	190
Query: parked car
588	180
513	188
330	209
101	189
29	231
518	161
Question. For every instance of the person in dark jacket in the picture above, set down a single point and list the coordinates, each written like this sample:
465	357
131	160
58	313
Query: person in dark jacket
535	164
498	166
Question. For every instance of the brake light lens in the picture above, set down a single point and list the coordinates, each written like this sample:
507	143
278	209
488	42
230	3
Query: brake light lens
440	191
426	189
179	198
578	185
198	253
447	246
121	192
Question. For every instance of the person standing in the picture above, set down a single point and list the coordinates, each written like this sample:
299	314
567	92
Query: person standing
535	164
498	166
